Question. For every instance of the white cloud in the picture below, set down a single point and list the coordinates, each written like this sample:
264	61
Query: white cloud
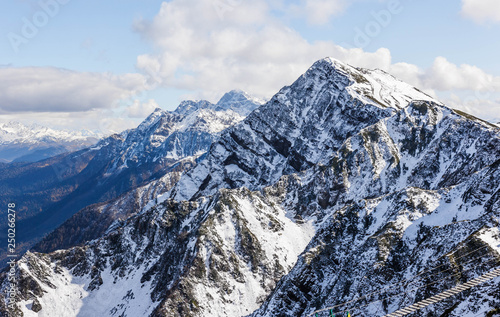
141	109
209	50
204	49
317	12
209	47
475	104
321	11
48	89
444	75
481	10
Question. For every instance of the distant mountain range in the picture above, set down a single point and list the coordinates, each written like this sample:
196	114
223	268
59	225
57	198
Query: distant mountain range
93	221
23	143
50	191
348	191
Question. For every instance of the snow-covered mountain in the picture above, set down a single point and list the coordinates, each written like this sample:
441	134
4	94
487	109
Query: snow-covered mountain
30	143
348	189
301	126
61	186
235	100
14	131
93	221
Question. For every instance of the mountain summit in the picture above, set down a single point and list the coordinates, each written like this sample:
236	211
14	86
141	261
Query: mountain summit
302	125
348	191
236	100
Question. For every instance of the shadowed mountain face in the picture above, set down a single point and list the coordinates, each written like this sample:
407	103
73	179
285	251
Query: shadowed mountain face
345	183
94	221
49	192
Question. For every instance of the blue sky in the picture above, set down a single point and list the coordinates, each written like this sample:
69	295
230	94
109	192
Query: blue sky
83	36
106	64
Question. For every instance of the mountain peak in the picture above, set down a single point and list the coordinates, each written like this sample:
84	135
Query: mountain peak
329	63
235	100
152	119
238	101
376	87
18	131
234	94
187	107
32	142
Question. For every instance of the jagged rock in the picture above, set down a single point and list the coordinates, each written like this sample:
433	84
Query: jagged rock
36	307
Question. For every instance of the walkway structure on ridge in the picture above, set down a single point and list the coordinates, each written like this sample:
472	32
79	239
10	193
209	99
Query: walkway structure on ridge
441	296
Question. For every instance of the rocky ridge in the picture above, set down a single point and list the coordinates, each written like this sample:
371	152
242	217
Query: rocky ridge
53	190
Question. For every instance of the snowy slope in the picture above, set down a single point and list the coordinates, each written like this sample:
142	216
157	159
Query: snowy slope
94	221
378	244
19	142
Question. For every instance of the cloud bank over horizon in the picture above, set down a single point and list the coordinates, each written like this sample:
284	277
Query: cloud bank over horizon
50	89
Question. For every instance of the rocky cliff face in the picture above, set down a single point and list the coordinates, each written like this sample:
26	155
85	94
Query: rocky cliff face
348	188
414	192
301	126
